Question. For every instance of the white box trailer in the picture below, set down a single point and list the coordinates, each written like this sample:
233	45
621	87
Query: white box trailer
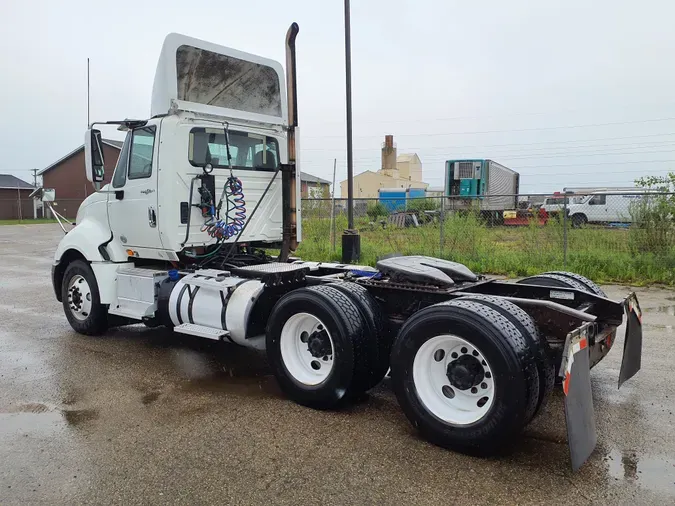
481	185
196	233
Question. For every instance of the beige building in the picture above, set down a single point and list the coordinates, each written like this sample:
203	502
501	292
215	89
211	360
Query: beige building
397	171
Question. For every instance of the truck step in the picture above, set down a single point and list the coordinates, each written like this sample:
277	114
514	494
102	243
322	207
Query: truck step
201	331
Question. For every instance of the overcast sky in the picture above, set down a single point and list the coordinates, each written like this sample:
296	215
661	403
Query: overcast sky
568	93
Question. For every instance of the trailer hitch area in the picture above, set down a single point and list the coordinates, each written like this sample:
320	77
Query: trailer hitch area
575	373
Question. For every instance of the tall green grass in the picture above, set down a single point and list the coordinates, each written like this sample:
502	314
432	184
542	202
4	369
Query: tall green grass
602	254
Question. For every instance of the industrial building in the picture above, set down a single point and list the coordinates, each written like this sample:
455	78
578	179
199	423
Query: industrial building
397	171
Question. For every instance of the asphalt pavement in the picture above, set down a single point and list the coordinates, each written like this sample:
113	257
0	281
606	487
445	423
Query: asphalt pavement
143	416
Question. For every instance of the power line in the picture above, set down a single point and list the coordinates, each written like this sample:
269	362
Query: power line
508	156
559	127
408	148
504	115
639	171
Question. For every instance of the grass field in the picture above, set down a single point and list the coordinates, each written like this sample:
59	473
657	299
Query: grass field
27	222
602	254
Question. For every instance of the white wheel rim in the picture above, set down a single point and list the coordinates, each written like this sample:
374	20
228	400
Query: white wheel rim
300	332
453	403
79	297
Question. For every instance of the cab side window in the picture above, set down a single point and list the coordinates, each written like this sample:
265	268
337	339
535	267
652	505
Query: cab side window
140	159
598	200
120	176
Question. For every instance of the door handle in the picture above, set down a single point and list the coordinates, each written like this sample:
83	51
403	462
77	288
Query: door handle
119	194
152	217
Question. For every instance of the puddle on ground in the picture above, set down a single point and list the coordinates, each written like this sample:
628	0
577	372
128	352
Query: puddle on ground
667	310
45	423
30	407
223	383
653	473
35	415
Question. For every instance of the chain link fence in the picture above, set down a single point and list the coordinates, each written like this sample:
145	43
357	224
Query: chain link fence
620	237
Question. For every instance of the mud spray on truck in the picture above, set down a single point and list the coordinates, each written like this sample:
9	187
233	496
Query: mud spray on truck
196	232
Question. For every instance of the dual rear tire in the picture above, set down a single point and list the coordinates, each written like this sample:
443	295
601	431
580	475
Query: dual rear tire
325	344
467	373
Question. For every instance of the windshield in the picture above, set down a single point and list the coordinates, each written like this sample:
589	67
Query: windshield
554	200
248	150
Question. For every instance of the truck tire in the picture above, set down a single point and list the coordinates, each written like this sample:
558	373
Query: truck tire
81	300
568	280
537	344
554	281
379	337
317	347
590	285
465	376
579	220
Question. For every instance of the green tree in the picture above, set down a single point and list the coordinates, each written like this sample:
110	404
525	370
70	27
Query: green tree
653	215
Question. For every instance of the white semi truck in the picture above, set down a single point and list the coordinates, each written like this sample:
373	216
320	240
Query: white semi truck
196	232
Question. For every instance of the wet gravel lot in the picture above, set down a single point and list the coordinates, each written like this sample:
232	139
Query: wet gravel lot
143	416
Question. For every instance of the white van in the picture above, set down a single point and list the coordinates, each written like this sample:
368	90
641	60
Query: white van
605	207
556	203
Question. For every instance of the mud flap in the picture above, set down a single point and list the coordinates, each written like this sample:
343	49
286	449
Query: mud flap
579	415
632	344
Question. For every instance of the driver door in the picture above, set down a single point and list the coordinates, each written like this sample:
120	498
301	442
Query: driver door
132	205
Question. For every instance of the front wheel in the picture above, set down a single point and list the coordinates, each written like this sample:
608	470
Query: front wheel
579	220
81	300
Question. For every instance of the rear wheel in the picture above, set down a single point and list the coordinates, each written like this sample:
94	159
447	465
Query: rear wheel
81	300
374	326
590	285
317	347
566	279
537	344
465	376
554	281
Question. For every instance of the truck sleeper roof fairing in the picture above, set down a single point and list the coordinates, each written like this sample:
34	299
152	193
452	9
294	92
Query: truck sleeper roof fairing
202	77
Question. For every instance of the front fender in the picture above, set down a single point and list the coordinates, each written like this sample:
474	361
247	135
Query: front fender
86	238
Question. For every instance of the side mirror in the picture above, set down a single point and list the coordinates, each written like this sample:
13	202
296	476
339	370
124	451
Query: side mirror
93	156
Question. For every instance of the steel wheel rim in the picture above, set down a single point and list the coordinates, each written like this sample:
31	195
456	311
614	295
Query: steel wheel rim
306	366
446	400
79	297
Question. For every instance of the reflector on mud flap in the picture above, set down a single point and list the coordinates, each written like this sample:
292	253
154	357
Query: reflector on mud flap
579	415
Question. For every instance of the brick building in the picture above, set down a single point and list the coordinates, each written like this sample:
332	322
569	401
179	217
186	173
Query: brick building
314	187
67	177
14	198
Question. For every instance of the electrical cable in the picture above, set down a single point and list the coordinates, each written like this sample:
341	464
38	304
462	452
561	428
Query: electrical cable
262	197
235	211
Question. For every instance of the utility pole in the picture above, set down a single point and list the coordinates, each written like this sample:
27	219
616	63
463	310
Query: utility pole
34	171
332	210
87	92
351	241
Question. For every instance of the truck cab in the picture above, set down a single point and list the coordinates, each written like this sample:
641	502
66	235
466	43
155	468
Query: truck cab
217	113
